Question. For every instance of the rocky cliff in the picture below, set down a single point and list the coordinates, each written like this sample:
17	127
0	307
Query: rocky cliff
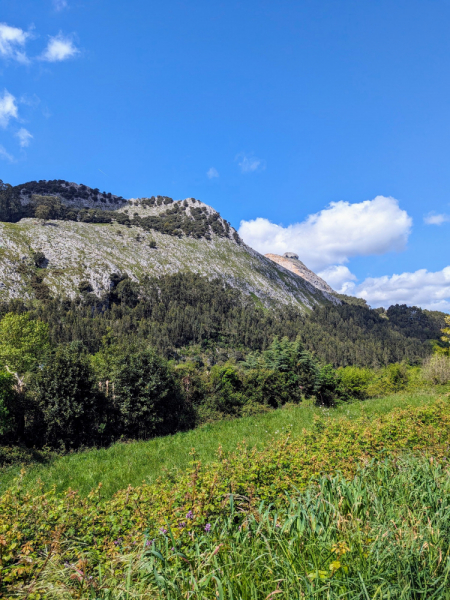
291	262
139	237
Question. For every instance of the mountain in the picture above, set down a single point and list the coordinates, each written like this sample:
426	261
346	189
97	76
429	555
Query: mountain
57	237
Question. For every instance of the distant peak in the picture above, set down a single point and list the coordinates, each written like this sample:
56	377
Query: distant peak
291	262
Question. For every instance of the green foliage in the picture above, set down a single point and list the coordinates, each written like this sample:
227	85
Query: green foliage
146	395
7	396
10	206
390	379
64	393
122	464
23	341
348	521
333	541
354	382
38	259
446	330
176	312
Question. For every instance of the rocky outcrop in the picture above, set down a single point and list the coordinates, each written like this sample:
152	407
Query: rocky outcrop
79	252
291	262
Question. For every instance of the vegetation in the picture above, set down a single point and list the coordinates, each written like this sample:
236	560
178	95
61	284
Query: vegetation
319	501
363	538
185	351
48	539
132	462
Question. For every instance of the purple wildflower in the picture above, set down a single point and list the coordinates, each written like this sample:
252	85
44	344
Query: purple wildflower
181	525
149	542
190	515
163	531
208	527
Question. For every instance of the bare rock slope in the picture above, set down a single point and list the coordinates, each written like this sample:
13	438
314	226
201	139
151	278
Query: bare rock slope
77	251
291	262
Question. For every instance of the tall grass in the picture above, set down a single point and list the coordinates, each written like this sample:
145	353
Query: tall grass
132	463
383	535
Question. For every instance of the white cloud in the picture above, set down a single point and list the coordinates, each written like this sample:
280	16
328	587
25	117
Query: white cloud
249	163
59	48
433	219
12	41
421	288
212	173
339	277
5	155
60	4
336	233
24	136
8	108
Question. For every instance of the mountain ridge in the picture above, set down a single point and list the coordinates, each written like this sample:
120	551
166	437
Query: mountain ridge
85	243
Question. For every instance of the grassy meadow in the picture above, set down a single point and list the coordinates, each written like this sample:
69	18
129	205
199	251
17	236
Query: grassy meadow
302	502
140	462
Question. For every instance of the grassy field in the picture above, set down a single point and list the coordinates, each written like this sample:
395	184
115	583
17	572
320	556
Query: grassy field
353	504
383	534
134	463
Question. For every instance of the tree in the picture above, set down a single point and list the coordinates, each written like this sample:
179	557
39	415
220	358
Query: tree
42	213
66	397
23	341
446	330
7	394
146	395
10	207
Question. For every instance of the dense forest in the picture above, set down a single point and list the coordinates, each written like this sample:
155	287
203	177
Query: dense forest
185	314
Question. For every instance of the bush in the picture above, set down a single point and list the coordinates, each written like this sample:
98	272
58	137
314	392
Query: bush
146	394
271	388
393	378
7	395
66	399
436	369
354	382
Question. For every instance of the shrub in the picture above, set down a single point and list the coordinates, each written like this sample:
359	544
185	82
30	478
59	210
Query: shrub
7	395
39	259
146	394
271	388
436	369
389	380
354	382
65	397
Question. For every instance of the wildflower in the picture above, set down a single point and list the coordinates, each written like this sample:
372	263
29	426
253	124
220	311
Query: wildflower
190	515
163	531
181	525
118	542
208	527
149	542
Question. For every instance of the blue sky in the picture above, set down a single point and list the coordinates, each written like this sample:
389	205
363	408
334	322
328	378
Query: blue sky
323	126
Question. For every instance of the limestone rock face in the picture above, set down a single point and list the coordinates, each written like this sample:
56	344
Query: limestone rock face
89	252
290	261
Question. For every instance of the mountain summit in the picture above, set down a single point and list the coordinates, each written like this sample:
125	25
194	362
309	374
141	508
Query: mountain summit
58	238
291	262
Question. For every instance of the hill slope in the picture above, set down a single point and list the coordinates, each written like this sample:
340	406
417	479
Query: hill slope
84	240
